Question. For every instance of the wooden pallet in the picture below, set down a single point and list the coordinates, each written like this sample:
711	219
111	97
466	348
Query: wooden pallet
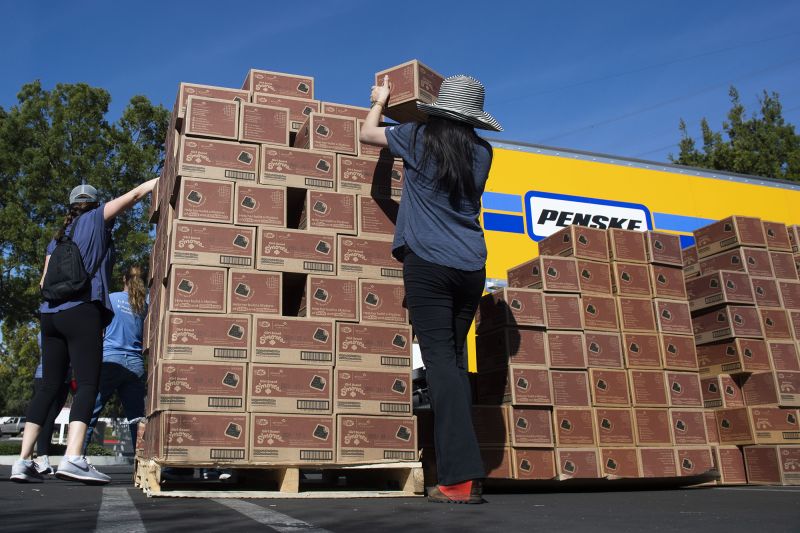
388	480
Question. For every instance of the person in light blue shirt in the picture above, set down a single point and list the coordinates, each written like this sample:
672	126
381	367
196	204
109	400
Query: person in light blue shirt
123	362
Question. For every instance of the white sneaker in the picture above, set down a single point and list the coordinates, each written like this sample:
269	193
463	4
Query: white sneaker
43	466
81	470
25	472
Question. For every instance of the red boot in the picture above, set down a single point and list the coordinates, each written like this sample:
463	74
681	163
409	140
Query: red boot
469	492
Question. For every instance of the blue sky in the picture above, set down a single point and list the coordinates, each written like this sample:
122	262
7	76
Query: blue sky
609	77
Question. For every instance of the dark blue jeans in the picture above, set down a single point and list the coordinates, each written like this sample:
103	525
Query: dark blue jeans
131	390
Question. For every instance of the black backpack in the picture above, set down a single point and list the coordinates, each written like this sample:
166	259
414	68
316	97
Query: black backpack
66	277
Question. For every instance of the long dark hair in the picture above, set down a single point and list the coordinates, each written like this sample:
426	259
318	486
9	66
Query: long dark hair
450	144
74	211
136	290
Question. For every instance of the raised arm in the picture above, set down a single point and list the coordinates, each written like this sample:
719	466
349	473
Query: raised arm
371	133
119	205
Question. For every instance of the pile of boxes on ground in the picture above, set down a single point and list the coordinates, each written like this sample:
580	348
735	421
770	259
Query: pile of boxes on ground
277	332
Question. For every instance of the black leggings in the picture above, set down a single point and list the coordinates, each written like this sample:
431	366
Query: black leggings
72	337
46	434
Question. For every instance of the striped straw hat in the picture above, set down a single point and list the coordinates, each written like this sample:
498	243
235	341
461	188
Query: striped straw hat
461	98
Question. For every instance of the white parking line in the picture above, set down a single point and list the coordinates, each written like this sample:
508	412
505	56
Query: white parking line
776	489
277	521
118	513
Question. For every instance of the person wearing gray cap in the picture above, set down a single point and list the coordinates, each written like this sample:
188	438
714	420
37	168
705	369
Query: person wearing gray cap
72	329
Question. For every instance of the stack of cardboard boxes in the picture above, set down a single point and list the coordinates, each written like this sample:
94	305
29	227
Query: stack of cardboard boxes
277	332
745	301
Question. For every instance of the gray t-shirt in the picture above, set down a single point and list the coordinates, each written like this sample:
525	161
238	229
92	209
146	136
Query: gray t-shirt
426	221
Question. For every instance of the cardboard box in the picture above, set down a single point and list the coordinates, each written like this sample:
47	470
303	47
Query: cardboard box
377	217
688	426
382	301
199	386
614	427
694	460
772	465
609	387
790	294
372	392
574	426
598	312
777	236
259	205
754	261
251	291
727	322
328	133
566	350
278	83
206	337
765	292
263	124
295	167
684	389
712	435
776	324
627	246
721	391
530	427
720	287
292	439
293	341
642	350
636	315
679	352
299	108
562	311
491	425
620	463
794	316
185	90
497	463
369	150
296	251
758	425
577	463
411	82
781	387
733	356
289	389
344	110
794	237
371	439
580	242
652	427
197	438
673	317
631	279
322	211
211	117
648	388
784	355
367	258
518	384
658	462
551	274
731	232
510	307
783	265
222	160
501	347
197	289
663	248
531	463
203	243
570	388
370	176
668	282
603	349
691	266
373	345
594	277
205	200
328	297
730	464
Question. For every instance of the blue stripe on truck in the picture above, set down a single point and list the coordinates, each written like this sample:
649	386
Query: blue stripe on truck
498	201
680	222
501	222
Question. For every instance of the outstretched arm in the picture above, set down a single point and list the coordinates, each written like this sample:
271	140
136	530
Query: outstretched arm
371	133
119	205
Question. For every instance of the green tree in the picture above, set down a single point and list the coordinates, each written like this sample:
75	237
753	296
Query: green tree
51	141
762	145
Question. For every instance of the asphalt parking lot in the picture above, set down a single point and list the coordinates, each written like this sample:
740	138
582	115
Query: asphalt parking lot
119	507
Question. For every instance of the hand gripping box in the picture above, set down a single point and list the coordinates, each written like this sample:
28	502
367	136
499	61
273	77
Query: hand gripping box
598	312
688	427
411	82
504	346
297	167
620	463
758	425
205	200
263	124
375	439
594	277
668	282
203	243
367	258
329	297
212	117
377	217
574	426
278	83
293	341
777	236
652	427
564	311
729	461
691	266
296	251
754	261
772	388
532	463
580	242
648	388
566	350
206	337
253	291
790	294
627	245
214	159
731	232
570	388
658	462
663	249
642	350
373	346
551	274
292	439
510	307
720	287
684	389
727	322
733	356
289	389
491	425
678	352
185	90
517	384
783	265
577	463
776	324
673	317
195	438
772	465
603	349
631	279
382	301
372	392
636	315
609	387
328	133
379	177
765	292
299	108
530	427
200	386
259	205
721	391
613	426
784	355
326	212
197	289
